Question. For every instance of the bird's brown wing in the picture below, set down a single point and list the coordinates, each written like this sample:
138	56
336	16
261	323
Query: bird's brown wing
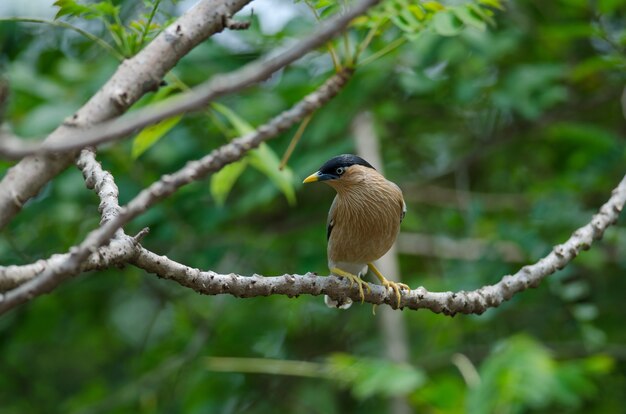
330	222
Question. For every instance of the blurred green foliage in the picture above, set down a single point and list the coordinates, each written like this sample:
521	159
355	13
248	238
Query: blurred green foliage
523	101
520	374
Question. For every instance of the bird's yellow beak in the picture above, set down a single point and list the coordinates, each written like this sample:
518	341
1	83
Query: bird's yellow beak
312	178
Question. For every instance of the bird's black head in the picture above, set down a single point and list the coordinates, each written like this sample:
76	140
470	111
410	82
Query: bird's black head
335	167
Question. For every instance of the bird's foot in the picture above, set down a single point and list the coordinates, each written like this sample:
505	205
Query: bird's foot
353	279
395	286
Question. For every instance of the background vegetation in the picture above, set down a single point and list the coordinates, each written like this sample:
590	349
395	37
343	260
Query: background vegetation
502	126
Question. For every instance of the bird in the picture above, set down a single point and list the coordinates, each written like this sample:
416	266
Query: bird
363	221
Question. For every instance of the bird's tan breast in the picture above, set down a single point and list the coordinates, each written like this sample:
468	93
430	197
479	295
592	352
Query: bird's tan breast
365	222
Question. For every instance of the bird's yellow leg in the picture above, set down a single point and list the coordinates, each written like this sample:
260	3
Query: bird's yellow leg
353	279
396	286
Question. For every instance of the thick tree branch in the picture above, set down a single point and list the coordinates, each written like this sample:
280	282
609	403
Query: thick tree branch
52	276
118	253
195	99
449	303
133	78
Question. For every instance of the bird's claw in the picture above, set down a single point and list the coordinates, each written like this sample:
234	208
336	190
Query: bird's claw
396	287
353	279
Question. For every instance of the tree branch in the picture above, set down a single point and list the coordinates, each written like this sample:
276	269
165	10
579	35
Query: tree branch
118	253
195	99
449	303
52	276
102	181
133	78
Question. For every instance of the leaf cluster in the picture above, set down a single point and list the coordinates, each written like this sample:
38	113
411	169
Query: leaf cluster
128	38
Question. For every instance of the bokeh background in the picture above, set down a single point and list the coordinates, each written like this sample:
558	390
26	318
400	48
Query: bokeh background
504	139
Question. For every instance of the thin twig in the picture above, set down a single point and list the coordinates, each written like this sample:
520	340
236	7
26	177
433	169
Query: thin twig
294	141
382	52
58	23
146	28
365	43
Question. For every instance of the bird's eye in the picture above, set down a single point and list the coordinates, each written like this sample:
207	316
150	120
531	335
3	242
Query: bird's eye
339	170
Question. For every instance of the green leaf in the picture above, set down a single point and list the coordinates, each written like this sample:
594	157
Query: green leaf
407	21
447	24
329	11
150	135
469	18
159	95
433	6
323	3
361	21
497	4
138	25
485	14
241	126
223	181
265	160
105	8
417	11
70	8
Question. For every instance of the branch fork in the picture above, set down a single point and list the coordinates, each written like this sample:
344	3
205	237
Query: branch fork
108	245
